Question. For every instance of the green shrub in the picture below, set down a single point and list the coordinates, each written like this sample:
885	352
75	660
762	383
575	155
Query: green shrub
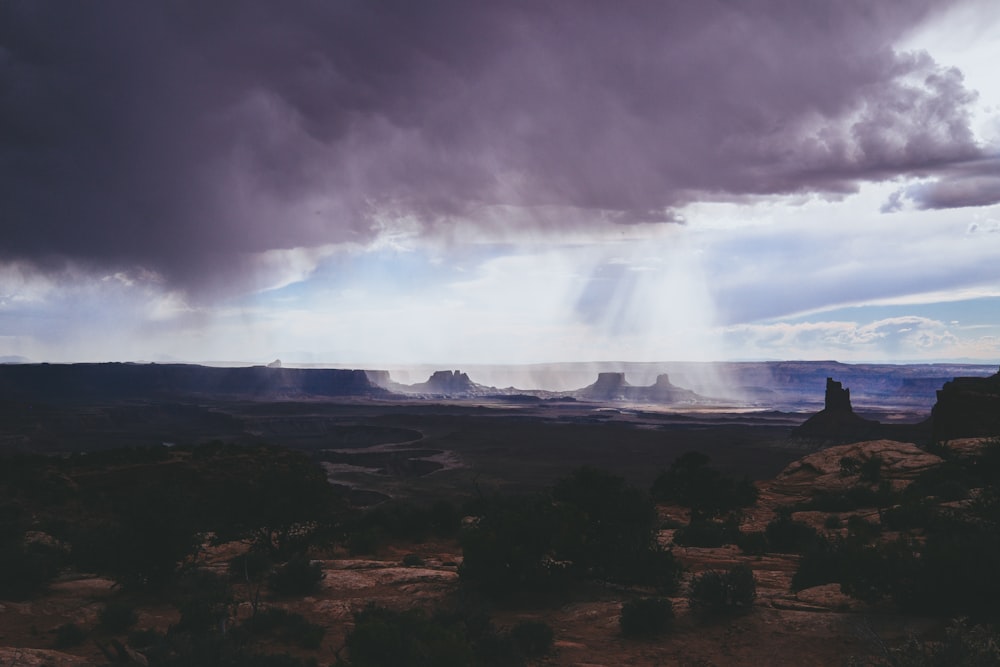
299	576
715	593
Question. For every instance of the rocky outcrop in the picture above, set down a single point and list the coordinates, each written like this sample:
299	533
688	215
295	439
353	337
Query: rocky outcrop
613	387
825	470
967	407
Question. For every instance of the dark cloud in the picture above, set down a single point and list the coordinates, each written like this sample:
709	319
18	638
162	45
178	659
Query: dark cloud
975	183
185	137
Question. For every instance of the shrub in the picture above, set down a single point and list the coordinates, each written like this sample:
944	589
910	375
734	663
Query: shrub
646	617
848	500
974	646
507	549
789	536
692	483
701	532
820	564
250	566
386	638
287	627
299	576
532	639
832	522
117	617
69	634
871	470
754	543
715	593
413	560
862	530
25	569
660	569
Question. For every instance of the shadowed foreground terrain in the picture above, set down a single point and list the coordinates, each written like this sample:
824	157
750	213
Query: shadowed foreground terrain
225	531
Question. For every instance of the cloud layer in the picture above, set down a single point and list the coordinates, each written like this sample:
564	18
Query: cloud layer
189	140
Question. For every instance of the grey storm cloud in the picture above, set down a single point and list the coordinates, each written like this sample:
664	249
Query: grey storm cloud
185	137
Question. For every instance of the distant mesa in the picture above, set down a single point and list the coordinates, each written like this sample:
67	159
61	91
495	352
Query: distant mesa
609	387
967	407
75	382
613	387
447	383
453	384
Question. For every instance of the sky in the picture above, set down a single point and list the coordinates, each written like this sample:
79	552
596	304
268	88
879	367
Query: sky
371	182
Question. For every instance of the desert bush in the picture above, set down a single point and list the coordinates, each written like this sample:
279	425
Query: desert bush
871	470
832	522
386	638
413	560
753	543
299	576
820	564
963	644
853	498
861	530
786	535
849	465
68	635
26	569
399	520
117	617
253	565
532	639
715	593
646	617
703	532
508	549
145	638
607	526
910	514
287	627
594	526
659	569
690	482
